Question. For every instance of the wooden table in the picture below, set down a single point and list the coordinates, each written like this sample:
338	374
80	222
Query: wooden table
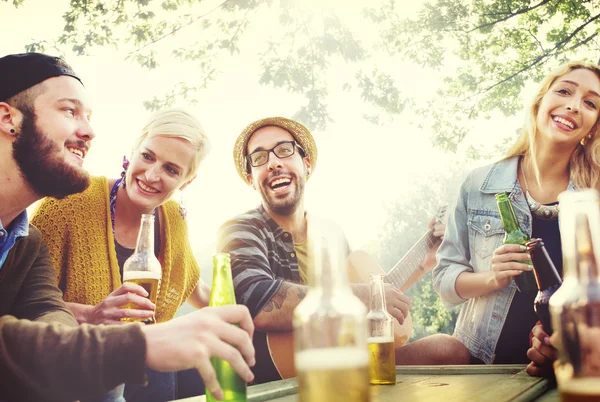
495	383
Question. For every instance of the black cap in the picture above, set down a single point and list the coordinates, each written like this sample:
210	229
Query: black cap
19	72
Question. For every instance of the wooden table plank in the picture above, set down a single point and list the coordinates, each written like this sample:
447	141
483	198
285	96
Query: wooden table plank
495	383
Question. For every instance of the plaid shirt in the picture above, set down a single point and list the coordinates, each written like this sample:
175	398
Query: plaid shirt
262	257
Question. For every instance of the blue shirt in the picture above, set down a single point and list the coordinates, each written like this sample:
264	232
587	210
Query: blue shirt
474	230
19	228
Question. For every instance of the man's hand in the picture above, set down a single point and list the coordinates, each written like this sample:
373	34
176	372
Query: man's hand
191	340
542	354
396	302
439	228
109	310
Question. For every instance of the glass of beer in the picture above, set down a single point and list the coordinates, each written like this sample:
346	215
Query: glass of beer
575	307
382	354
143	268
330	328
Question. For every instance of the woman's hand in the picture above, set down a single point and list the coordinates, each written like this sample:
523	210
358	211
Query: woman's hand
109	310
508	260
541	353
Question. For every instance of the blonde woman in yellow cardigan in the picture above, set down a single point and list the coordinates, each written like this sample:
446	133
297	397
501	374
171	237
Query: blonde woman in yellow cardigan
90	235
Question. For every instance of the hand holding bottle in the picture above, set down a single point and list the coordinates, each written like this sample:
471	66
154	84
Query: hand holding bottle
507	262
541	353
190	342
109	310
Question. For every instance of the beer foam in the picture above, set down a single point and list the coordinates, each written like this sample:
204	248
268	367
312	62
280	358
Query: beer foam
380	339
331	359
132	275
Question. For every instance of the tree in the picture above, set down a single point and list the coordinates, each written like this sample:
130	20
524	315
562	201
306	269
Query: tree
485	50
407	222
497	46
296	55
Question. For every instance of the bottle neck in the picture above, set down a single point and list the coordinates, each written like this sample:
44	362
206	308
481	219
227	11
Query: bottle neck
222	292
508	216
579	220
330	276
145	240
377	299
587	266
544	269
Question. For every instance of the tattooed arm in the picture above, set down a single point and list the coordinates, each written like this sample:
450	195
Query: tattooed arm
276	315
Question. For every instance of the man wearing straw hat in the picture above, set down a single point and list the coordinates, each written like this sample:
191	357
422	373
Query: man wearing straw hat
268	245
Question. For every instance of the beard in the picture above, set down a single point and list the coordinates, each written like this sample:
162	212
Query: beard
38	161
288	205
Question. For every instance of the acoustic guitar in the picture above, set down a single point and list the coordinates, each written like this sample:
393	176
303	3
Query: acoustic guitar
360	266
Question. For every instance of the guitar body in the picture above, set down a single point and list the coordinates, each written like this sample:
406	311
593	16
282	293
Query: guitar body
281	344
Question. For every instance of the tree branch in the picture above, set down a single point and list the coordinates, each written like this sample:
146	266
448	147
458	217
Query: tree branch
238	28
583	42
537	40
516	13
176	29
541	57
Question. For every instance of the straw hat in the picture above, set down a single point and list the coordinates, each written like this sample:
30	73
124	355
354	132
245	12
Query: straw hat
297	130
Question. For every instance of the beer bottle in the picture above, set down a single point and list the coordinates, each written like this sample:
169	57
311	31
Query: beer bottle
382	359
579	218
547	278
330	329
514	235
222	294
143	268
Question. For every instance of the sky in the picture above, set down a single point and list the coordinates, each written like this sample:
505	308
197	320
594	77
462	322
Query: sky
361	169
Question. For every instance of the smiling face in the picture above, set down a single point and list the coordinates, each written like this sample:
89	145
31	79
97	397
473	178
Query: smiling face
569	110
158	168
280	181
54	137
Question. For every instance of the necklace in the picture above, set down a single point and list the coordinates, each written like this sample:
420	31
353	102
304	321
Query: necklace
546	212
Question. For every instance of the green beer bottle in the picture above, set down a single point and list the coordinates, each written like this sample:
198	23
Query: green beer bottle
514	235
222	294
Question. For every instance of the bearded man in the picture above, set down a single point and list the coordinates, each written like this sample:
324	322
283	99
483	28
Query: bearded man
270	245
45	133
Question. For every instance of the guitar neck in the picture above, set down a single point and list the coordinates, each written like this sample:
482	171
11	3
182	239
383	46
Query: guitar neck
411	261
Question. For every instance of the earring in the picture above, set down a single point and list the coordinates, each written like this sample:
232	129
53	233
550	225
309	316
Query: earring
585	139
12	131
125	166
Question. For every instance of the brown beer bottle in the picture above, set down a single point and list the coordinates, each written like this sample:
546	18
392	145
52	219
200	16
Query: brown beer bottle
547	278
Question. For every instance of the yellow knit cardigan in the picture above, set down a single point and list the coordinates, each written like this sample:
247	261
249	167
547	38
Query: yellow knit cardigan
78	232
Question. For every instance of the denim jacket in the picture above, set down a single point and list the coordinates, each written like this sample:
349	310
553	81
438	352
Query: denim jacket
473	232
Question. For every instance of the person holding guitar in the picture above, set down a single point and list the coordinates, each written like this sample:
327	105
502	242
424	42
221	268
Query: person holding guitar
270	256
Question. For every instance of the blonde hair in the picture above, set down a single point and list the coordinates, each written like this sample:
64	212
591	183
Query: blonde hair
177	123
585	160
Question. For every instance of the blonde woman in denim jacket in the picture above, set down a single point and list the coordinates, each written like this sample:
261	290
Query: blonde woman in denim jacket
557	150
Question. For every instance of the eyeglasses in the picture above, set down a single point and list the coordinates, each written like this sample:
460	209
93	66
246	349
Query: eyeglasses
282	150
